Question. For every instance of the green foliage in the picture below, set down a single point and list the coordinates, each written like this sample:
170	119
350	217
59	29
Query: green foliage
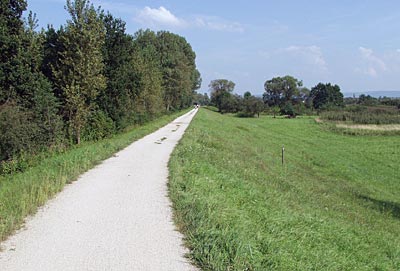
80	75
149	90
178	67
289	110
240	209
17	131
201	99
390	101
11	67
29	109
367	100
45	108
281	90
221	96
326	96
87	79
251	105
364	115
229	103
274	110
118	97
98	126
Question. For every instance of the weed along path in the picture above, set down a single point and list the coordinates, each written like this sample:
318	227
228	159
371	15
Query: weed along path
117	216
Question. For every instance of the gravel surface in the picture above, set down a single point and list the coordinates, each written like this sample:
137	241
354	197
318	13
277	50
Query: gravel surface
116	216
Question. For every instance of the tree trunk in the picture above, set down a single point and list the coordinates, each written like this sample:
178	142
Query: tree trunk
78	136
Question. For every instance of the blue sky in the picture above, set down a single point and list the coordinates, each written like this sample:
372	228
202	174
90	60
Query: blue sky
355	44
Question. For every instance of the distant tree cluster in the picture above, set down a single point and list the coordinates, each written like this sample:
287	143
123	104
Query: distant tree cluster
283	95
202	99
87	79
288	94
226	102
368	100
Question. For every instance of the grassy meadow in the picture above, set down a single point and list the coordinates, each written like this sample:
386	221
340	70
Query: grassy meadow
21	193
333	205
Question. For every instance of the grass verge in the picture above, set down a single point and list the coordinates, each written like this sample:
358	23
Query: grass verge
333	205
22	193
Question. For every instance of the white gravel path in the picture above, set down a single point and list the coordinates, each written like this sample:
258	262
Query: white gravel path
116	216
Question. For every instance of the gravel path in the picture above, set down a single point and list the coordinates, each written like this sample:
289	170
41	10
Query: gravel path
117	216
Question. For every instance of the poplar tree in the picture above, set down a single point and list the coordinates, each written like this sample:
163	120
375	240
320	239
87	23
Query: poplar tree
148	76
11	28
117	99
80	73
180	76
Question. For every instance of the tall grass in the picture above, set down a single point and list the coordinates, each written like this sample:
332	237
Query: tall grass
333	205
21	193
364	115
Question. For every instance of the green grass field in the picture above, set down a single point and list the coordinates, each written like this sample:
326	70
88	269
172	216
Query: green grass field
21	193
333	205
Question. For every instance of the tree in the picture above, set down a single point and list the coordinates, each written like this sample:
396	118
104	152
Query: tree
88	76
80	73
180	76
247	95
275	110
17	131
326	95
367	100
220	93
29	107
148	86
251	105
11	67
40	99
230	103
258	106
202	99
280	90
117	100
289	110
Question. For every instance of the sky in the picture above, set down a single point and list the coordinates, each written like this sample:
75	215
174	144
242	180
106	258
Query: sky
355	44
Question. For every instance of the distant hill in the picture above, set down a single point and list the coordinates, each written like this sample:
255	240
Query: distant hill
376	94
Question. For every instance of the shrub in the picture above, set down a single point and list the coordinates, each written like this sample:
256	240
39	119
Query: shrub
289	110
99	126
17	131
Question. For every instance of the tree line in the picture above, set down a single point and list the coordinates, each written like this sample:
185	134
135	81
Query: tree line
368	100
283	95
86	80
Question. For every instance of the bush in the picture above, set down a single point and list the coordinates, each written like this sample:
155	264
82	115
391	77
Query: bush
99	126
302	109
17	131
289	110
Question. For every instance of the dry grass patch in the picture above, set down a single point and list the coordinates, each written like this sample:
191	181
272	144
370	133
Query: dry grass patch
371	127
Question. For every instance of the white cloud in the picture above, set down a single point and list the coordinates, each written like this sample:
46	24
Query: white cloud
158	17
117	7
311	54
374	65
162	17
216	23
